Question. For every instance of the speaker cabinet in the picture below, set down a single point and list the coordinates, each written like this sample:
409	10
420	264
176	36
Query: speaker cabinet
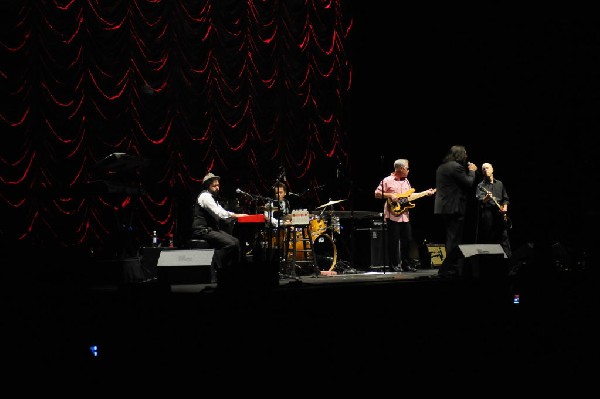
370	248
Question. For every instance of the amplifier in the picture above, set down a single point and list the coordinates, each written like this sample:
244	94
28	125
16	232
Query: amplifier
370	248
437	252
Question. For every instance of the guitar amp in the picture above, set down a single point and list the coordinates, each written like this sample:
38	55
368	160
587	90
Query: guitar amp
437	253
371	245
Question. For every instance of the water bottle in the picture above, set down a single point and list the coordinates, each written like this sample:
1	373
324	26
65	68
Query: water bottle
154	239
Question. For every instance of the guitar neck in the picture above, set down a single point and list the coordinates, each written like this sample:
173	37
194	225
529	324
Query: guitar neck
417	195
398	208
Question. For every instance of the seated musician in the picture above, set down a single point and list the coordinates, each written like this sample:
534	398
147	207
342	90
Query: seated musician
208	215
277	214
277	209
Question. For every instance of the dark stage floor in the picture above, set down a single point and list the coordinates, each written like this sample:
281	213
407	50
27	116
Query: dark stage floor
350	327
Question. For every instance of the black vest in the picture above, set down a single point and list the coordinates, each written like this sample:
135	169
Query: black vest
203	218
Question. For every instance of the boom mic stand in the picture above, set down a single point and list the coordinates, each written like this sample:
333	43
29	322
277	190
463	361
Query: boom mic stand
254	199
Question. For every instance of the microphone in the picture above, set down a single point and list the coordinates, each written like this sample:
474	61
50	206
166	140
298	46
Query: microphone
237	190
282	174
294	194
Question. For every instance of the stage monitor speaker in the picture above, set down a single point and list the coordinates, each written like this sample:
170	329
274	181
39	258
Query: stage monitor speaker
185	266
483	261
370	248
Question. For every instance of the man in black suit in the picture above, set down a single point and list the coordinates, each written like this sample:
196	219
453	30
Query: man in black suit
454	179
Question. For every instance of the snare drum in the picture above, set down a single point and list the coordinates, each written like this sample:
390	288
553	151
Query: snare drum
316	226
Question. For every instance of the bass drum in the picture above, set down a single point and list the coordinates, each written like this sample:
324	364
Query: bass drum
325	252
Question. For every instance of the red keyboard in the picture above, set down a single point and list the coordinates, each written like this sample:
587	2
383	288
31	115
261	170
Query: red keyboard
258	218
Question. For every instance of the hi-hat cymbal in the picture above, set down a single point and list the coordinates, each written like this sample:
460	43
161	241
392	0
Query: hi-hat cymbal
330	203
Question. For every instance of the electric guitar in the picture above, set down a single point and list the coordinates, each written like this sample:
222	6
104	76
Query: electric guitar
404	201
507	221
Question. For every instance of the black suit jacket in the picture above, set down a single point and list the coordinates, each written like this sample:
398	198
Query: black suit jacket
452	182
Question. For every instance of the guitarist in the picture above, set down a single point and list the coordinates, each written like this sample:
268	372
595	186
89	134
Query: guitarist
397	191
492	221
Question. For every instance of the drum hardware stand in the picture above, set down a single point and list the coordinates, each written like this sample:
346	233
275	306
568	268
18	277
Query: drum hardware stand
287	269
328	221
344	266
316	270
347	267
292	262
331	230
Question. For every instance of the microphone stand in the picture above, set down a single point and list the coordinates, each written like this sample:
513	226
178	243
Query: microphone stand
269	234
280	251
257	244
384	247
350	269
269	226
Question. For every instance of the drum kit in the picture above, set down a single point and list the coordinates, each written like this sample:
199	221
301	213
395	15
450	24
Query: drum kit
308	248
313	246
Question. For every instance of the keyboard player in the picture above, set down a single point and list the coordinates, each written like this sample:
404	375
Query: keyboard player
206	225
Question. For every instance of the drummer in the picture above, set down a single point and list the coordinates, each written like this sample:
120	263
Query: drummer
277	212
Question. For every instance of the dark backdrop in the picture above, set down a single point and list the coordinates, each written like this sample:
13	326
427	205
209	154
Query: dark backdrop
519	93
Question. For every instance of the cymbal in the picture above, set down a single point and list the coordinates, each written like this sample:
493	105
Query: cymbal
330	203
269	207
287	218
